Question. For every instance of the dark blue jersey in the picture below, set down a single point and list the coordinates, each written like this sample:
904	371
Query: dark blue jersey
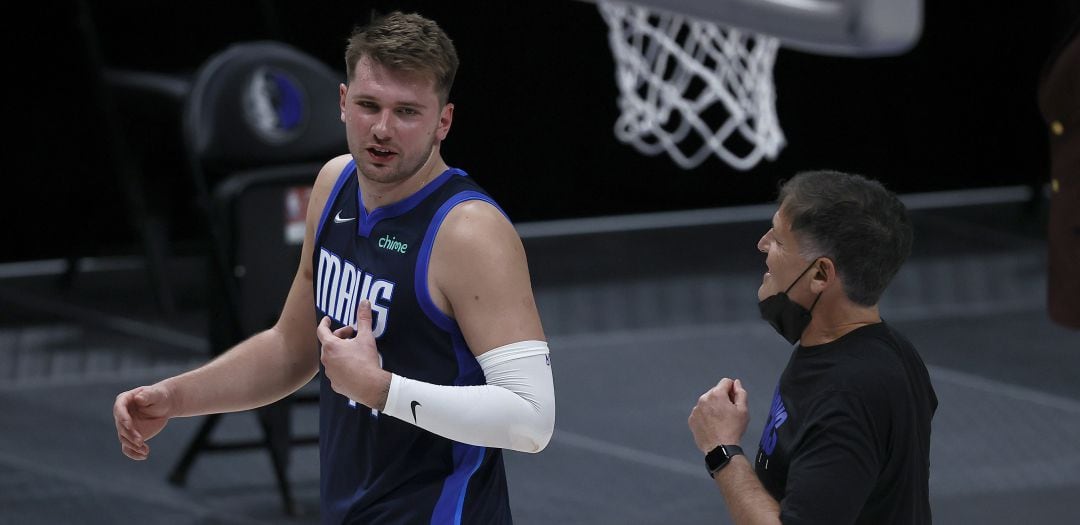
376	468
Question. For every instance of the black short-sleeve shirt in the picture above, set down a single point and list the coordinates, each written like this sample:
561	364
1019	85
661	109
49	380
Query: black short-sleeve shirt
848	434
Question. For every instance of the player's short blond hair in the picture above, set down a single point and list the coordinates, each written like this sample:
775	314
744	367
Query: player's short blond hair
405	42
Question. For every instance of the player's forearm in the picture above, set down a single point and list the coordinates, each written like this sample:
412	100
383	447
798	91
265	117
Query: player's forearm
515	410
260	370
483	415
747	500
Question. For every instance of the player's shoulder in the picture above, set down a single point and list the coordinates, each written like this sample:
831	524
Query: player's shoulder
475	221
327	178
331	171
475	238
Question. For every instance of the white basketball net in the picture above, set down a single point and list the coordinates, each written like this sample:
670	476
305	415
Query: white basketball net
691	88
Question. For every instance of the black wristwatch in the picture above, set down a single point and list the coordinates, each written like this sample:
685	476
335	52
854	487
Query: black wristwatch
719	457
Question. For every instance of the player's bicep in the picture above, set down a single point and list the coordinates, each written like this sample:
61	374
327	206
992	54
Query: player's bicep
478	264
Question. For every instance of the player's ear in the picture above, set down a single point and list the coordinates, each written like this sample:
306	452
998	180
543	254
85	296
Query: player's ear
342	91
446	117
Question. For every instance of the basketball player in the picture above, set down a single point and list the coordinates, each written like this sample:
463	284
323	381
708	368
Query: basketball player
433	358
847	439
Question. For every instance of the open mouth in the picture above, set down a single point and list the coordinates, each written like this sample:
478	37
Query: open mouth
380	153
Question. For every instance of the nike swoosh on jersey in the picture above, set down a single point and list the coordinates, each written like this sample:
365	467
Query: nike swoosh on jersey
338	219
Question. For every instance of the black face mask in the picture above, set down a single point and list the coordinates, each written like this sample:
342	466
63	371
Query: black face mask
786	316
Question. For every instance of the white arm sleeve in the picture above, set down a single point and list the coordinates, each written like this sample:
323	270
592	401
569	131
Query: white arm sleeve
514	410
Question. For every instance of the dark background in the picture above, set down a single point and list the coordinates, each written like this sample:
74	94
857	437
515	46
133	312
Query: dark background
535	104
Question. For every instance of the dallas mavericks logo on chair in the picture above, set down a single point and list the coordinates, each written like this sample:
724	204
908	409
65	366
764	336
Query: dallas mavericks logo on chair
274	105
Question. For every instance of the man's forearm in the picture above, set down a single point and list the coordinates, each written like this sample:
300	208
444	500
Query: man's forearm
747	500
515	410
260	370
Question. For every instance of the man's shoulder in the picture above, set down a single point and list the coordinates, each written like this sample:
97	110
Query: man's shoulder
332	171
877	344
864	358
875	366
476	227
470	209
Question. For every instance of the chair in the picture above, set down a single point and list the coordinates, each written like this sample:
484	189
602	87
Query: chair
259	122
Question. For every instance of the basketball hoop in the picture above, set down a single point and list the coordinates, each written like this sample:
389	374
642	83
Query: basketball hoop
692	88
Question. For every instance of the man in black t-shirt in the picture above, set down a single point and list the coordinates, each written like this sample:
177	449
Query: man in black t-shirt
847	439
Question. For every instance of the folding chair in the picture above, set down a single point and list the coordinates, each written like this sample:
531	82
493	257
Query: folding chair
261	119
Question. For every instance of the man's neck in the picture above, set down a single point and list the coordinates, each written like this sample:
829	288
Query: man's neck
379	194
831	322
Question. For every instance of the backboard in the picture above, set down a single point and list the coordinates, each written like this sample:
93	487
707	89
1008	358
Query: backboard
827	27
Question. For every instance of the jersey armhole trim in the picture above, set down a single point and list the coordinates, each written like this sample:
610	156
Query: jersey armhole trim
329	204
420	283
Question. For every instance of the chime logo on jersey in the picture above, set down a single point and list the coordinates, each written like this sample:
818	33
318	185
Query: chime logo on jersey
340	285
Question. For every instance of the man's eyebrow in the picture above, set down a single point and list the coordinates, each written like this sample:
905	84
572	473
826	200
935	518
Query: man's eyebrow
395	103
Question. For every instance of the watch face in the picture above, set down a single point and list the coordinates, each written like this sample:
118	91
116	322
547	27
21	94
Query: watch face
716	459
719	457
